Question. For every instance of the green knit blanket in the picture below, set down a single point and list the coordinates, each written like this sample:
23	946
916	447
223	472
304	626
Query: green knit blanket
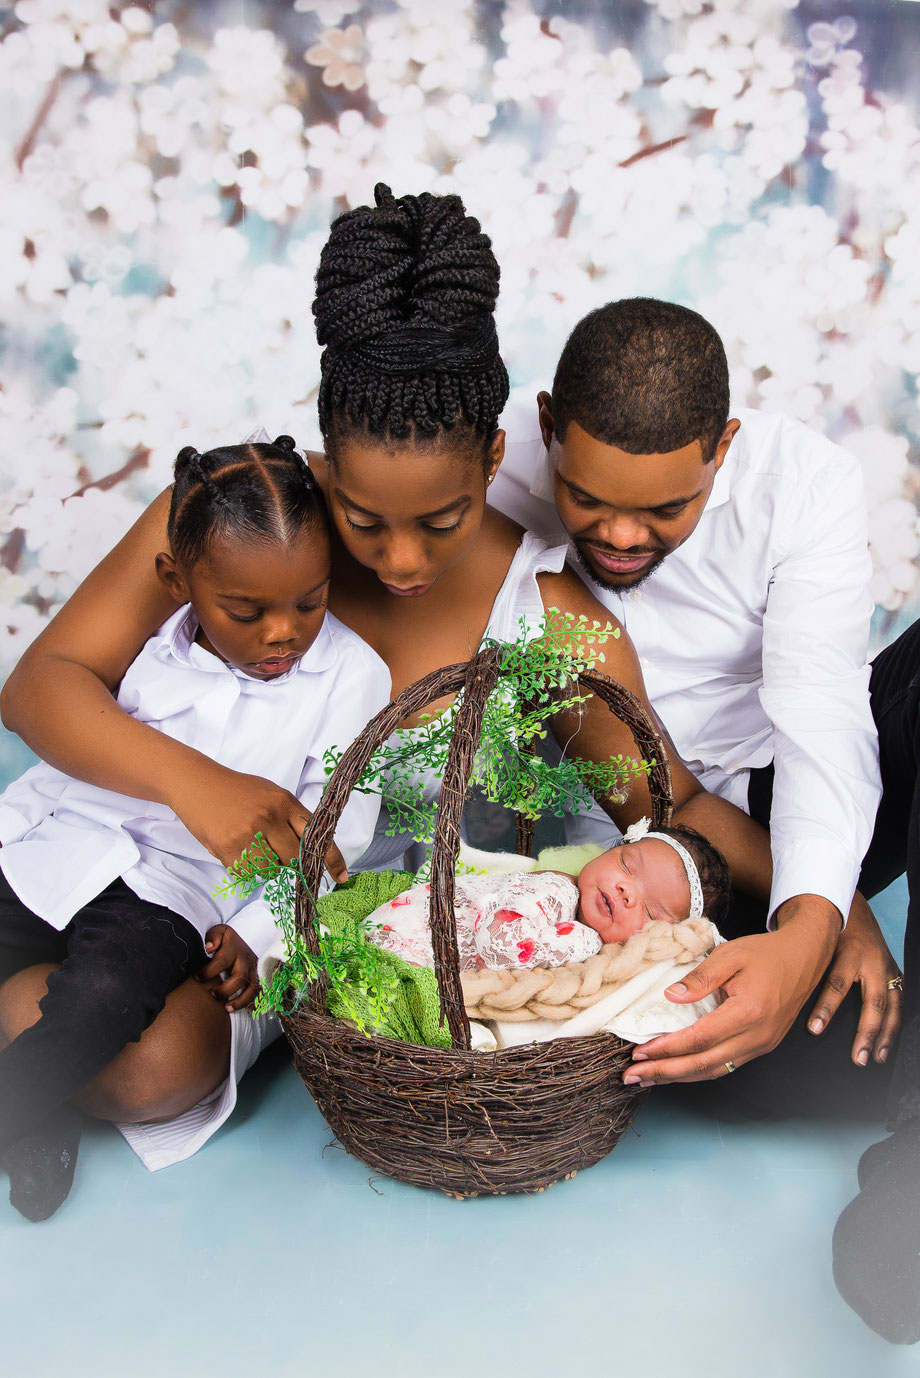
414	1014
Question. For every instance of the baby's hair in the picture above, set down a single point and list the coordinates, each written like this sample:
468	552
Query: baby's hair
715	877
646	376
405	293
252	492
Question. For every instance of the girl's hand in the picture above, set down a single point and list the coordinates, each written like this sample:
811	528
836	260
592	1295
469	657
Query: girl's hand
225	810
862	955
231	975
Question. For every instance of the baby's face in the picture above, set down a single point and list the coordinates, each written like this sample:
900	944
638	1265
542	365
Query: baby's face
628	886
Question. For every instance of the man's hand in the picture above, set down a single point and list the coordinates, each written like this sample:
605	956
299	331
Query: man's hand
225	810
231	975
765	979
862	955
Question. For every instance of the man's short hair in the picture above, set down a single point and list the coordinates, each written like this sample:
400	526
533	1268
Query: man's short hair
646	376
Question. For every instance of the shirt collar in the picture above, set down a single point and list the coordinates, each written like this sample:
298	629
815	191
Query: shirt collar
175	640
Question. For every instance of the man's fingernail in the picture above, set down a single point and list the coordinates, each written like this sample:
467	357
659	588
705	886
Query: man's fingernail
679	989
640	1057
632	1080
882	1054
862	1057
816	1025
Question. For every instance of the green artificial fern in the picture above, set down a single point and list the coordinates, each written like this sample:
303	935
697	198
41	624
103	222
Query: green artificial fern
359	984
538	679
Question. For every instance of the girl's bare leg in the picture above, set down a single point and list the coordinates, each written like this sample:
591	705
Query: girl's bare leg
181	1057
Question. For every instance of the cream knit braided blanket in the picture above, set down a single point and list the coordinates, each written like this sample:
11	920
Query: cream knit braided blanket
558	993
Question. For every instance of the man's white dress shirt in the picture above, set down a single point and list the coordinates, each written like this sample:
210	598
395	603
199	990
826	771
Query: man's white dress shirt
64	841
752	636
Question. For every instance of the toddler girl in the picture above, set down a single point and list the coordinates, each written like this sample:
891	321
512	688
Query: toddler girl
115	892
547	918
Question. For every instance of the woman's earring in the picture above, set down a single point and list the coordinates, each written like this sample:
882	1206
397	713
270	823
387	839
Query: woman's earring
490	478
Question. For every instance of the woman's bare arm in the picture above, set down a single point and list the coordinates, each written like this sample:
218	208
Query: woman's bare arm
595	733
60	699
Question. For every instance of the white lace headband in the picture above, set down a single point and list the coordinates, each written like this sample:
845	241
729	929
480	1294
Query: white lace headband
637	831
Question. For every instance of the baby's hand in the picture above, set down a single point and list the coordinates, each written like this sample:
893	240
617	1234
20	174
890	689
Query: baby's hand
236	962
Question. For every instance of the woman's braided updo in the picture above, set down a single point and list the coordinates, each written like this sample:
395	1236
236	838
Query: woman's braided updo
405	292
251	492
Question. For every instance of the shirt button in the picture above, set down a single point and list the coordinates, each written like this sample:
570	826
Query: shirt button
635	594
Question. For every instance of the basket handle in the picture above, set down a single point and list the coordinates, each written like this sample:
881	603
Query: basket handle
318	833
623	704
481	677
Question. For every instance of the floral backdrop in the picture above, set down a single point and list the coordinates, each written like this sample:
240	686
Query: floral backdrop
170	171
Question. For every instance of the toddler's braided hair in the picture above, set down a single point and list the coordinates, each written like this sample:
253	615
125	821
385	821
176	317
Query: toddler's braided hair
252	492
405	293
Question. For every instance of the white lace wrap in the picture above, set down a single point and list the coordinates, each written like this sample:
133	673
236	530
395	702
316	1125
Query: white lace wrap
512	922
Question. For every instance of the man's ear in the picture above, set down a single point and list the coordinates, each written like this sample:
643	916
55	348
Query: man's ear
545	413
731	430
171	577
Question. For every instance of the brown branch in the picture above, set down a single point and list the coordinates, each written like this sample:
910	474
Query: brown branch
11	551
565	215
41	114
652	148
139	460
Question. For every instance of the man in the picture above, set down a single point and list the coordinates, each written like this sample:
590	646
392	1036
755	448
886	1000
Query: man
734	552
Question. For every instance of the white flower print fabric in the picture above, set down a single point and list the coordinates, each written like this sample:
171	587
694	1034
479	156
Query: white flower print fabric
503	922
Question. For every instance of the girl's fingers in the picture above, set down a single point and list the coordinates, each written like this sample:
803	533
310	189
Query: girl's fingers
245	996
211	971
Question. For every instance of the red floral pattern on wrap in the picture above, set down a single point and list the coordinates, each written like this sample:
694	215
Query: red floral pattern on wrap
513	921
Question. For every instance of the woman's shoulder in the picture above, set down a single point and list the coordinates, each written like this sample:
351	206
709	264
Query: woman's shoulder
564	589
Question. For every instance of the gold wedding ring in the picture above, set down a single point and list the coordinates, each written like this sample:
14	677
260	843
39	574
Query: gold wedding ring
896	983
730	1066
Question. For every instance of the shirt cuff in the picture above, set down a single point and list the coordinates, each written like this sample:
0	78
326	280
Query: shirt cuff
816	866
256	925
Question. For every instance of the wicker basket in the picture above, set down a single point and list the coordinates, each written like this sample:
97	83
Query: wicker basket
467	1123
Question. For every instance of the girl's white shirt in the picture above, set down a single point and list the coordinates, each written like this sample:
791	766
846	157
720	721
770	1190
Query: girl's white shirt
64	841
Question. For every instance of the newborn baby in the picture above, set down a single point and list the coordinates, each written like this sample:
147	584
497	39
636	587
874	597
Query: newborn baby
547	918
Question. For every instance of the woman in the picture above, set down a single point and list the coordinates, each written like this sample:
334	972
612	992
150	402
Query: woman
412	389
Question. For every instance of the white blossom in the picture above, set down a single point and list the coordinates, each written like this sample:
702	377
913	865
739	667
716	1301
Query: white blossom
167	191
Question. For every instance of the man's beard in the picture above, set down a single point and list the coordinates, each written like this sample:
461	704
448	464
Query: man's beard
616	584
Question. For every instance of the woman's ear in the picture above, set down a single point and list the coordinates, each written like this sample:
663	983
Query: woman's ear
495	456
319	468
171	577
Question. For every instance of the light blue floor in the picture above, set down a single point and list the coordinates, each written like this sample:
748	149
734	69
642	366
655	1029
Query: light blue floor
696	1248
